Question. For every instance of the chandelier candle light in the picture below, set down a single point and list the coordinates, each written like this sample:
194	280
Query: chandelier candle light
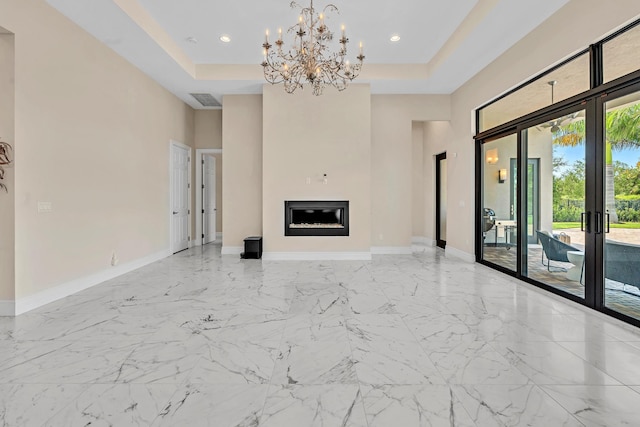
310	59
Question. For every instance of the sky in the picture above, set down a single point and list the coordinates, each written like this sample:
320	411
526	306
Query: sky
571	154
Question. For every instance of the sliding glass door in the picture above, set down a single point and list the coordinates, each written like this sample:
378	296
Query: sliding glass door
498	222
621	218
558	178
554	251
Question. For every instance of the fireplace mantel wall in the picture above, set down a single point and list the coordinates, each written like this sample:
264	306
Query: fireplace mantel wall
304	137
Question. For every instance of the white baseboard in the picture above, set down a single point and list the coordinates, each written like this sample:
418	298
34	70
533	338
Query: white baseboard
316	256
7	308
391	250
457	253
231	250
39	299
420	240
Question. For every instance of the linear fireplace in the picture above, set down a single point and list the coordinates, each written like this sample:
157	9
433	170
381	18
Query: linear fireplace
316	218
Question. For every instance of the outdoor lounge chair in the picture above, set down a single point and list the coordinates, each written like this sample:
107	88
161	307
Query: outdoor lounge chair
553	249
622	261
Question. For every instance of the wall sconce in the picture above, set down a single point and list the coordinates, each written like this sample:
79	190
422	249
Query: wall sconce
492	156
502	176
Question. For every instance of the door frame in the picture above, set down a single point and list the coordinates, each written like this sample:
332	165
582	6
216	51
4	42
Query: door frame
439	157
513	196
199	223
173	143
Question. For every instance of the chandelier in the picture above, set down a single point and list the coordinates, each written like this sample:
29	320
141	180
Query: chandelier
310	59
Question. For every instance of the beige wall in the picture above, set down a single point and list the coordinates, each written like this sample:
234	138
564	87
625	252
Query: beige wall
219	210
208	134
393	207
93	136
7	199
242	175
391	160
208	129
306	136
546	45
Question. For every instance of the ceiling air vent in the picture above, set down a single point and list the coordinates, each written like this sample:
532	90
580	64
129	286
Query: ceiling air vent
206	99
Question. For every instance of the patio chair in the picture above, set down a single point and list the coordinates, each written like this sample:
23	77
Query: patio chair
622	261
554	249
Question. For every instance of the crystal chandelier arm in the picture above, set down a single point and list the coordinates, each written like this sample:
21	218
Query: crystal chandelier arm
310	60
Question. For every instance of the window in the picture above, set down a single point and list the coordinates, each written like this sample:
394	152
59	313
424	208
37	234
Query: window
568	80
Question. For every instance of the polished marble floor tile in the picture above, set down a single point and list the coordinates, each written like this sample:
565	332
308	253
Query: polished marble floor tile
414	405
114	405
617	359
314	406
550	363
34	404
314	363
212	405
513	406
473	362
200	339
598	406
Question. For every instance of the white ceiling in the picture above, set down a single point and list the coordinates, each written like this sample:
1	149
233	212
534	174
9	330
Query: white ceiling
443	43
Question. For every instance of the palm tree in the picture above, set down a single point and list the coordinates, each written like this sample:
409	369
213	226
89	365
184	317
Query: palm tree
622	132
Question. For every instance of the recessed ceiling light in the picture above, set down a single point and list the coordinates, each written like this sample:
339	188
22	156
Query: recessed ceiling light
192	40
225	38
395	38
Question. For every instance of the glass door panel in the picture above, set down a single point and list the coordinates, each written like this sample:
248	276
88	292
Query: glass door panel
499	223
555	197
622	200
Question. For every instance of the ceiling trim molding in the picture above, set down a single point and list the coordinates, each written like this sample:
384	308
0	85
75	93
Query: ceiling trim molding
145	21
468	24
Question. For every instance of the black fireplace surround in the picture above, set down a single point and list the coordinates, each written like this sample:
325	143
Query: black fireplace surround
316	218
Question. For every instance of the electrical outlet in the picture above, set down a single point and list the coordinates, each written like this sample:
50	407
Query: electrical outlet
114	259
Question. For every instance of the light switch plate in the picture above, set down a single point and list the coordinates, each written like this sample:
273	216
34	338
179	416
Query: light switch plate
44	207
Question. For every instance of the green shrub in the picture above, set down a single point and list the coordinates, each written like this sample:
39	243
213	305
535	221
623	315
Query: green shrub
566	213
628	215
628	197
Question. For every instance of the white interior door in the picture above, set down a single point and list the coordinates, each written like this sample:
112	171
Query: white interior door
179	198
209	198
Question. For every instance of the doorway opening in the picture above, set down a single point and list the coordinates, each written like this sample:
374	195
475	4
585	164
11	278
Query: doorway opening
441	200
208	195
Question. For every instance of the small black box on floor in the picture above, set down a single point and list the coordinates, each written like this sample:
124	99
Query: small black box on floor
252	248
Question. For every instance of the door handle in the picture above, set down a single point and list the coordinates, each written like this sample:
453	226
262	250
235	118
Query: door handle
587	223
598	222
175	213
608	222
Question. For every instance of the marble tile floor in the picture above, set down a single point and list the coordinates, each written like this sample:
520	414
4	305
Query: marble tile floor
400	341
